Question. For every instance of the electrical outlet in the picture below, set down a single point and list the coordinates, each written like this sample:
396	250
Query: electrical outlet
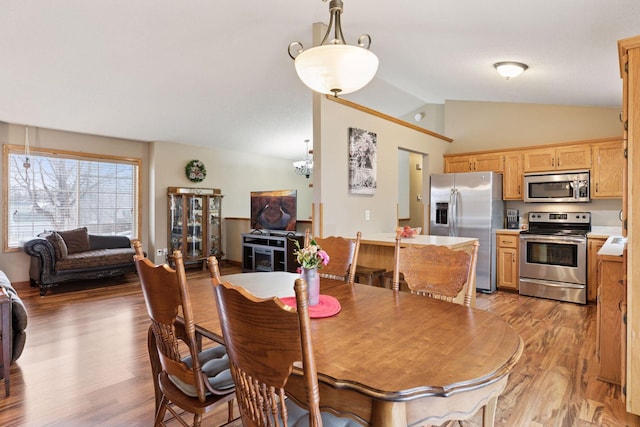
158	252
367	215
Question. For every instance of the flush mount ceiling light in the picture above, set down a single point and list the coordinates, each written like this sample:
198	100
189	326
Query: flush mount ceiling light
334	67
304	167
509	69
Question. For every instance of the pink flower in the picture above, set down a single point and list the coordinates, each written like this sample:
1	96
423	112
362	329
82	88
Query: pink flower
324	257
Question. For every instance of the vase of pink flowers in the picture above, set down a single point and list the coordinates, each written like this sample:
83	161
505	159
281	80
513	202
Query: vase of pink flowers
311	258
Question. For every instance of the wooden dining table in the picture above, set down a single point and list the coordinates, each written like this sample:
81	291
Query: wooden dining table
390	358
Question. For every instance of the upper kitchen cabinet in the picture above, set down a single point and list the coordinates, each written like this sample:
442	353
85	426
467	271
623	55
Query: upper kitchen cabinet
557	158
512	176
492	162
607	170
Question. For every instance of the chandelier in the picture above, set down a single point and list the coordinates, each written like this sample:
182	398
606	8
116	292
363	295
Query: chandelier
334	67
304	167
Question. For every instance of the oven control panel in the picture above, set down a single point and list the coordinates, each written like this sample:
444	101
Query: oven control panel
560	217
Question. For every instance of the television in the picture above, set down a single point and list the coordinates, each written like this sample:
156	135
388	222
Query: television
274	210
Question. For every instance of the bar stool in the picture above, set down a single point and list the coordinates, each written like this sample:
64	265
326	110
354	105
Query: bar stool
370	273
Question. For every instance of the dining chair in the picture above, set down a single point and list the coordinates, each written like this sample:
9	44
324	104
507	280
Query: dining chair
343	256
266	340
197	382
436	271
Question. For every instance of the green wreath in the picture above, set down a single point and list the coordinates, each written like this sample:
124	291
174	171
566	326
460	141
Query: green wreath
195	171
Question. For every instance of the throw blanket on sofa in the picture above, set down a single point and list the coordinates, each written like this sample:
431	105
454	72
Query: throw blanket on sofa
18	318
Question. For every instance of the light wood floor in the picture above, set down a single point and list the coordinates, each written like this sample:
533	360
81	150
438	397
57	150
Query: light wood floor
85	363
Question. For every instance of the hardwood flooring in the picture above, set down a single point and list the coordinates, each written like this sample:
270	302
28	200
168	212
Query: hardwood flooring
85	362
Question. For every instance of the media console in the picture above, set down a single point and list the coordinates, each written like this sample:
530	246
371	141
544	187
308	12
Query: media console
270	251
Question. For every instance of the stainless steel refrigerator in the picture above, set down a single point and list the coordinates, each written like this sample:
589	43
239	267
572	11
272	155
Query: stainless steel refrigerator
470	205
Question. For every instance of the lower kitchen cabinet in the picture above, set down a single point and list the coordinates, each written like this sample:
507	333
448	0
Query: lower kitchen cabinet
508	259
611	300
593	246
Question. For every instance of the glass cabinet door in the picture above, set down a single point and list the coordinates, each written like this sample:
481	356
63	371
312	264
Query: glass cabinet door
194	231
214	227
175	223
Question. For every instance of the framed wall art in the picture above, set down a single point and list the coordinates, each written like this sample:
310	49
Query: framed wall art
362	161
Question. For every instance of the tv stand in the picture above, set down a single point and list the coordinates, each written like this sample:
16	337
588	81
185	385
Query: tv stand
264	250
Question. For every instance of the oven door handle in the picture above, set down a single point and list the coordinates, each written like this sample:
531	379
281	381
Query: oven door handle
563	239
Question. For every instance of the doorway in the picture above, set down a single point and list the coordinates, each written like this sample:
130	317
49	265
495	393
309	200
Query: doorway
413	188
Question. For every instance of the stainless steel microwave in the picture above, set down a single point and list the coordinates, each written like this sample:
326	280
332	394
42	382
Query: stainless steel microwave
557	187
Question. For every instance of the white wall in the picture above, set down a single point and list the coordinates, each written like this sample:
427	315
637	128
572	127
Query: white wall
235	173
344	213
477	126
163	163
16	263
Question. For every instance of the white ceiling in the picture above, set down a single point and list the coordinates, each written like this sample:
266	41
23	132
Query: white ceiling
217	73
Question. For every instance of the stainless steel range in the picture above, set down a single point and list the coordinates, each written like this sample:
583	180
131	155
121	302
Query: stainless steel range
553	256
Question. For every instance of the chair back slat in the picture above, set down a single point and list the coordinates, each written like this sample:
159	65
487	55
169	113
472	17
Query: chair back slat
343	256
436	271
166	296
264	339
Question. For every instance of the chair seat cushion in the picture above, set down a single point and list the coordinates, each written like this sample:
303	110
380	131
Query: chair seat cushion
299	417
215	363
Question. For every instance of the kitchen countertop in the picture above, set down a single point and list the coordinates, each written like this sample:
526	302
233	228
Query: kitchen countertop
605	231
613	246
509	230
389	239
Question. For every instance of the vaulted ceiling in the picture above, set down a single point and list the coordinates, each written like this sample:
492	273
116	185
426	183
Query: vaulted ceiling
216	73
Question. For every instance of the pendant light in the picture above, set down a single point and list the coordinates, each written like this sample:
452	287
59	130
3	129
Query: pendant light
335	67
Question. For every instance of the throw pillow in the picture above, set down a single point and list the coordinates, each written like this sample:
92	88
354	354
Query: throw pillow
59	245
77	240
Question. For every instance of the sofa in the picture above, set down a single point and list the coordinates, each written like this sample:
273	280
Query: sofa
59	256
18	319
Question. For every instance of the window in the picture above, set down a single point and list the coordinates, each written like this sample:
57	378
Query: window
62	191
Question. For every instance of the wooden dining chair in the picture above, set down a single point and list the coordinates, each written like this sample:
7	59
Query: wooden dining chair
197	382
266	340
343	256
436	271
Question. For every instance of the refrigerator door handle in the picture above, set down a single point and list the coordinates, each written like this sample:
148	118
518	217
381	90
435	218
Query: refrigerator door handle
453	201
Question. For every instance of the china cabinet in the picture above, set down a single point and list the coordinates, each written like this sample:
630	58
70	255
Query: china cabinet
195	223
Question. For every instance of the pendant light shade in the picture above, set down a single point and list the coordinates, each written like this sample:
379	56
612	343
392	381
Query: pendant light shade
335	67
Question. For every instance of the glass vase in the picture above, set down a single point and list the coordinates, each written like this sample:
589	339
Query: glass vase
311	277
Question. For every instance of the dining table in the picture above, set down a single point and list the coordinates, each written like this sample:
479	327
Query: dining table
389	358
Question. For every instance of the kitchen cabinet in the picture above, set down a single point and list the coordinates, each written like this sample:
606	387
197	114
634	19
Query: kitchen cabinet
629	61
473	163
557	158
512	176
195	223
593	246
607	170
611	293
507	259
